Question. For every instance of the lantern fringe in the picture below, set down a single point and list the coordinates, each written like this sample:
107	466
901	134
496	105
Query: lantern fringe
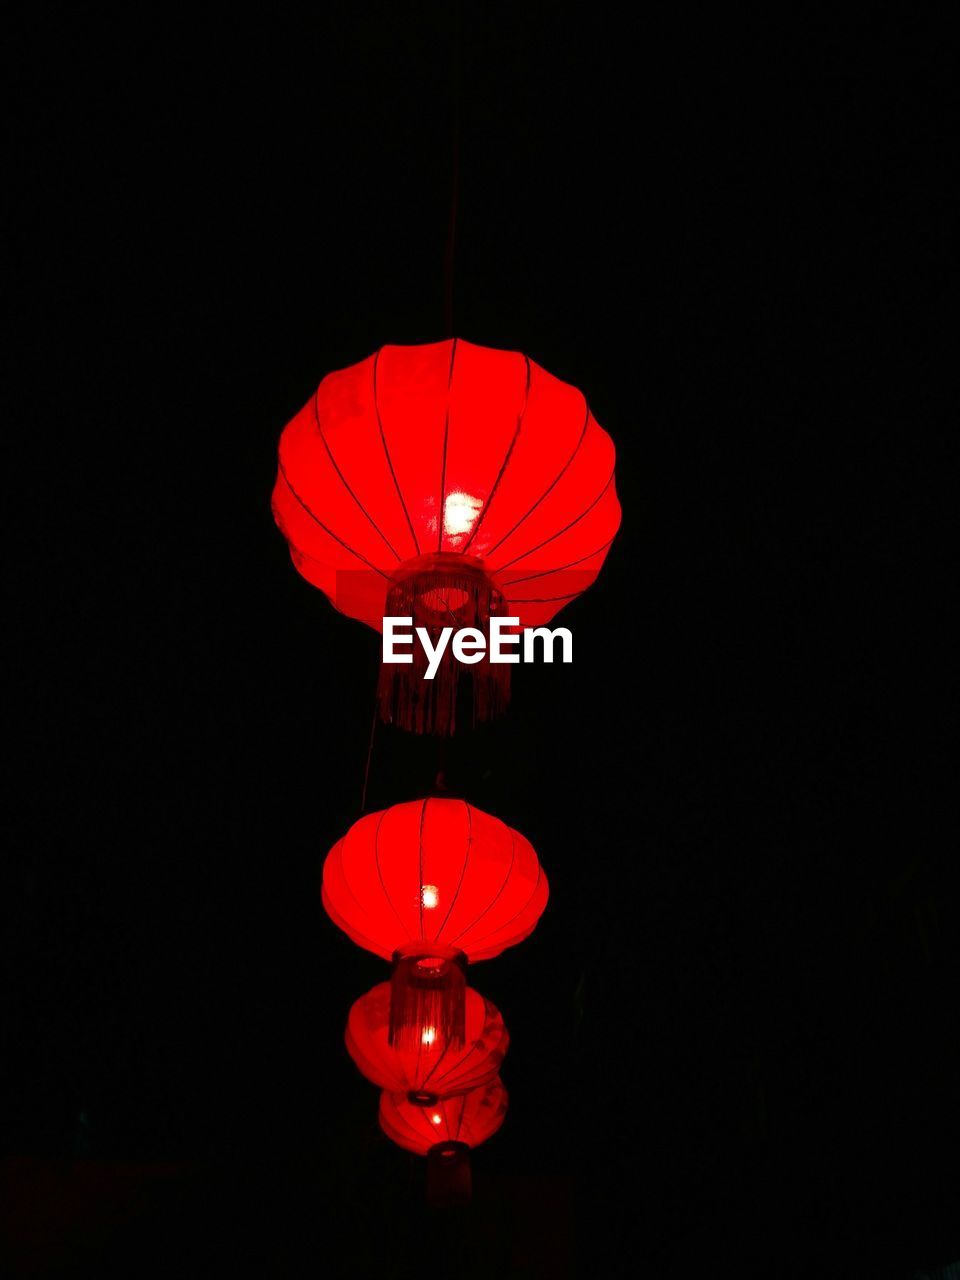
438	596
449	1176
428	999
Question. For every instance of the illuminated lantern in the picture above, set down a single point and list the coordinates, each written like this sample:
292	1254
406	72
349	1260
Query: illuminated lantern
432	1070
445	1132
465	1120
432	884
446	483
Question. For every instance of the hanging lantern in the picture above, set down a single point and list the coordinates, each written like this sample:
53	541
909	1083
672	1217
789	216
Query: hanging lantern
445	1133
448	483
436	1068
432	884
465	1120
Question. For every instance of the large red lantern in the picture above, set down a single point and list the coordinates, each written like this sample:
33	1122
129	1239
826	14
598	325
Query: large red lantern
433	1070
447	483
467	1119
432	884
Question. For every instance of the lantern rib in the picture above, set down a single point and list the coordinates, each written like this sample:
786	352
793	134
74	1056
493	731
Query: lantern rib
453	1132
463	871
543	599
313	516
545	573
425	1079
386	451
549	489
460	1063
343	478
443	464
461	1111
494	899
338	852
520	911
470	1117
559	532
506	460
376	857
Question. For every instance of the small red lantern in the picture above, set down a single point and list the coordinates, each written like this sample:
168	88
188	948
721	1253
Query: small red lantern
432	884
447	483
465	1120
438	872
434	1069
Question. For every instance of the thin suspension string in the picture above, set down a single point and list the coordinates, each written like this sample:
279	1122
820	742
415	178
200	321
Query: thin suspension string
449	256
366	769
450	248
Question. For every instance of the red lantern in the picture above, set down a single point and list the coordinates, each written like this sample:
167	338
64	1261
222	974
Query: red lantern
467	1119
434	1069
447	483
432	884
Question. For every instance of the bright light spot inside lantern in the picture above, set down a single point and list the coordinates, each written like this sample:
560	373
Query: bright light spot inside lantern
429	896
436	1118
460	512
428	1035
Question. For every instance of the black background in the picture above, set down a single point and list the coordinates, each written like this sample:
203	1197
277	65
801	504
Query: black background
735	1031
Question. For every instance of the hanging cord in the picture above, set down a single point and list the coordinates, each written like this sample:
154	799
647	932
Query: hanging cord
441	787
450	248
366	769
451	245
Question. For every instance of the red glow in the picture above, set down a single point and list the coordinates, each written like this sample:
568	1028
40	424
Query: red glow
470	1118
434	1069
485	879
447	448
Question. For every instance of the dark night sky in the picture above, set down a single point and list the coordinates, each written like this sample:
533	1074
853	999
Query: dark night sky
735	1034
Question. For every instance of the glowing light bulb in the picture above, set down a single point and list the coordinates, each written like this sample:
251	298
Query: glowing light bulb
436	1118
460	512
429	896
428	1035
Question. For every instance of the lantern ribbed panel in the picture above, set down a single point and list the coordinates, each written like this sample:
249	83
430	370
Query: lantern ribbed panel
470	1118
434	1067
436	871
447	448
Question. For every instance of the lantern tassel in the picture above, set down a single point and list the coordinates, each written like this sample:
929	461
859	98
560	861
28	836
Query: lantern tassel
449	1176
428	1000
444	590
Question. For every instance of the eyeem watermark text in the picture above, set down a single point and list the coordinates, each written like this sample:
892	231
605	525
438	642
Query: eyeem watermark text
469	645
